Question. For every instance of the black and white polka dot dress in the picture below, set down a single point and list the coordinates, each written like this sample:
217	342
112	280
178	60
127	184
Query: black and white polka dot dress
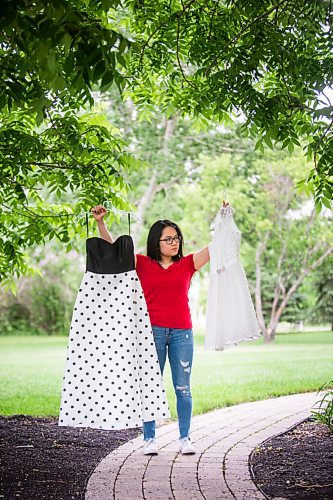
112	377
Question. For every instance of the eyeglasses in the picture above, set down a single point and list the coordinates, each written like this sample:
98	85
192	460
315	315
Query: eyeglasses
169	240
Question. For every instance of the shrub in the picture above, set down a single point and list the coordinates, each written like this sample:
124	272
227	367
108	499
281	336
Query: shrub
43	304
323	409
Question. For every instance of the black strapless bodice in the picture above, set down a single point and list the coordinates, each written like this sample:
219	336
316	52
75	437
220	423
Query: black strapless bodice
104	257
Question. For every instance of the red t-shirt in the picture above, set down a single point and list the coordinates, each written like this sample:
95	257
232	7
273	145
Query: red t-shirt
166	290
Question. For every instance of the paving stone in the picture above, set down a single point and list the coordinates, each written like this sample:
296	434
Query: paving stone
154	489
216	493
223	439
187	494
159	496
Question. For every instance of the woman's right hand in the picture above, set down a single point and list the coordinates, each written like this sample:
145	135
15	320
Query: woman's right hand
98	212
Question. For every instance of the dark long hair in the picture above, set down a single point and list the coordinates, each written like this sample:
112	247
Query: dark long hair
154	235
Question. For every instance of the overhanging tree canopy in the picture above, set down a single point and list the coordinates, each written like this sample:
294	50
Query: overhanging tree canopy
267	61
52	55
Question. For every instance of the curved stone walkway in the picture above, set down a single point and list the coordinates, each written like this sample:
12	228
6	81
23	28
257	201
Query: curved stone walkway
223	440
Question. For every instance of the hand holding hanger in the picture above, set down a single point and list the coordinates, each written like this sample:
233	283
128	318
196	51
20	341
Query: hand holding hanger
98	212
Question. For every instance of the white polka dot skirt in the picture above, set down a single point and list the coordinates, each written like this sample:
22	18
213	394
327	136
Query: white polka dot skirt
112	377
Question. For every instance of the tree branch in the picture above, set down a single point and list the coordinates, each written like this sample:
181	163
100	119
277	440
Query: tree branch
177	54
176	14
153	186
279	285
299	280
32	214
211	20
236	37
226	149
319	142
50	165
260	249
167	185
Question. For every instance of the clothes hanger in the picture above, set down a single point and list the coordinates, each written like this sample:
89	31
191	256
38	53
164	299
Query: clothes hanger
115	211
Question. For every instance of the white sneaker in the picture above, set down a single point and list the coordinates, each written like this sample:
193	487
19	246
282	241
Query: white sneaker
186	447
150	447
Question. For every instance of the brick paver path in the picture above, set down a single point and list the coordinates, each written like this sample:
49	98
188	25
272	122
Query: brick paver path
223	440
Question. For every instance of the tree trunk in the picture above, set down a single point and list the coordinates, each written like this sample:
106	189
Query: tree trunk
270	335
274	320
271	331
154	186
143	205
277	308
261	321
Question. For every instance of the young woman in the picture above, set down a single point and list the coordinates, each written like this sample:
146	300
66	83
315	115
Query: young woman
165	276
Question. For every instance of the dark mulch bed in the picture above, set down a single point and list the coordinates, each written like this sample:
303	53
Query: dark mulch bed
297	464
40	460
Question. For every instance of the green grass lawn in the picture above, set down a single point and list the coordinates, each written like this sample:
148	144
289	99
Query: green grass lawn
31	370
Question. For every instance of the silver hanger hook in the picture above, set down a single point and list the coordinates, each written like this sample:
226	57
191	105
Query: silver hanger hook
81	215
119	212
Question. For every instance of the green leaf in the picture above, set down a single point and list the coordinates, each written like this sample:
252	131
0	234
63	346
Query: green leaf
51	63
318	207
122	45
259	146
326	202
290	147
107	80
120	59
268	141
99	70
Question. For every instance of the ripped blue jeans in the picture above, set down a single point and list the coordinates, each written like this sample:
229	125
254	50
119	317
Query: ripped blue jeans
178	344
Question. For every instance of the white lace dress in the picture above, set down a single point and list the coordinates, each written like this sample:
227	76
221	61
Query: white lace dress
230	315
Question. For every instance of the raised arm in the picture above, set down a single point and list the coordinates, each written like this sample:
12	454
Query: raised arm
201	257
98	213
